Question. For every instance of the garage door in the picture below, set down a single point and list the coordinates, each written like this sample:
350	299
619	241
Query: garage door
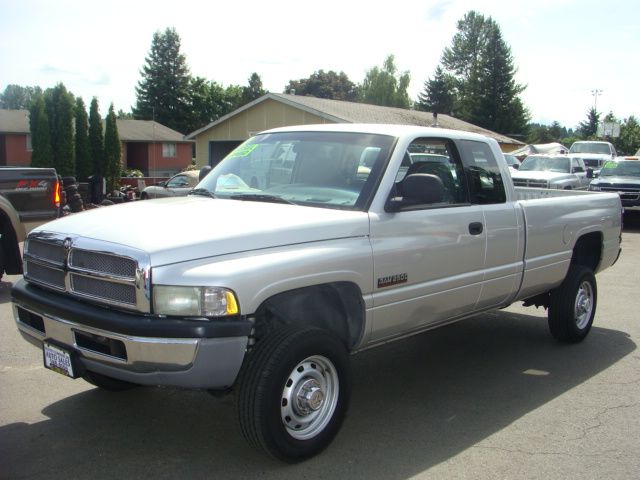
220	149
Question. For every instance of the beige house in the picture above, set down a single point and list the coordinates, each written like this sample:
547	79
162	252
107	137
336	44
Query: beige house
272	110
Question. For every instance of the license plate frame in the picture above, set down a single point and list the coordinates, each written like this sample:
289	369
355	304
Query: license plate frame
59	359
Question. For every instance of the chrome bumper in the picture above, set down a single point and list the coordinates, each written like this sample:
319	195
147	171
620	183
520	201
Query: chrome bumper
211	363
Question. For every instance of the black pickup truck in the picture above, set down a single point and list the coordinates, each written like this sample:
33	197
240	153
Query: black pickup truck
29	197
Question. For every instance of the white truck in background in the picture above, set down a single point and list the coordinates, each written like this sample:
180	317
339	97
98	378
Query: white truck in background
271	273
593	153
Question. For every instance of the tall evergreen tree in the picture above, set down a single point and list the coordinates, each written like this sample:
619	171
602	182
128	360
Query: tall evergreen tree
438	95
42	154
96	139
253	90
385	86
84	165
60	110
321	84
482	64
112	151
163	92
589	128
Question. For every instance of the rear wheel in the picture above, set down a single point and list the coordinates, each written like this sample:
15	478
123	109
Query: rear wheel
572	306
293	392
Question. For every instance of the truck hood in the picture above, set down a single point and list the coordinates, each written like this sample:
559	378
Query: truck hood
590	156
173	230
540	175
619	182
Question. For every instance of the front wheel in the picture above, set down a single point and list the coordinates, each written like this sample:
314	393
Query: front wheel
572	306
294	392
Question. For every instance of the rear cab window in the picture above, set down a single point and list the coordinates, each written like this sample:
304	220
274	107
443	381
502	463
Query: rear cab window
482	172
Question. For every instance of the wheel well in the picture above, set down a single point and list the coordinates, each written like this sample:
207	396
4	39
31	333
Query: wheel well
588	251
336	307
10	247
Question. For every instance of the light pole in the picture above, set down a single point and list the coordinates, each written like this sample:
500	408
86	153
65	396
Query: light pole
595	92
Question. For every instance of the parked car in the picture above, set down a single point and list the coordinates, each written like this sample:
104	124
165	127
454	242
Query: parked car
177	186
623	177
552	171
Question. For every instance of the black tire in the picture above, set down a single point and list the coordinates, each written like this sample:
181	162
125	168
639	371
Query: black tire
309	365
144	196
572	305
108	383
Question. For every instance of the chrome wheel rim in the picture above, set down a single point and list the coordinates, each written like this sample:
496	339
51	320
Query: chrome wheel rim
583	306
309	397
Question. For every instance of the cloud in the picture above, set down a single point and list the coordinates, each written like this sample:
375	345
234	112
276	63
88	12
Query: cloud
436	11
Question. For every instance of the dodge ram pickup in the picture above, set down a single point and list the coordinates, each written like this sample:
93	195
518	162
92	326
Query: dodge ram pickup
29	197
552	171
290	255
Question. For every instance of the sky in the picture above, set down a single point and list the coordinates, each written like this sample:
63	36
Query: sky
564	50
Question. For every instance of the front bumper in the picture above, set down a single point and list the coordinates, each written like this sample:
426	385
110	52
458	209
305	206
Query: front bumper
132	347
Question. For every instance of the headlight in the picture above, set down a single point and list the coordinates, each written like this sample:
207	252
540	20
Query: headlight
194	301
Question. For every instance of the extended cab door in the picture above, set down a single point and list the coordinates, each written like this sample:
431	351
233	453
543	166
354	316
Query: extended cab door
428	258
502	220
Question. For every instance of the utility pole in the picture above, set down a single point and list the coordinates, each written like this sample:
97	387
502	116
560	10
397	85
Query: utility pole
595	92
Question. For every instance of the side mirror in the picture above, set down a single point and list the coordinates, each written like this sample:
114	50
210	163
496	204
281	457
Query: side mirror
417	189
590	172
516	166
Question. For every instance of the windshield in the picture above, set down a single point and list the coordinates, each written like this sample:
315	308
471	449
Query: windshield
590	147
621	169
551	164
323	169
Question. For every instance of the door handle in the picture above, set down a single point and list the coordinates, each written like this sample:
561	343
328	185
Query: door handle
475	228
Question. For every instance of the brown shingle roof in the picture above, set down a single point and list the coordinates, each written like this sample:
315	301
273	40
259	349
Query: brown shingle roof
146	131
350	112
14	121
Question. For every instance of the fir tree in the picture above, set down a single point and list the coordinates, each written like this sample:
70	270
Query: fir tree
163	92
589	129
96	139
112	151
84	167
42	155
482	64
60	110
438	95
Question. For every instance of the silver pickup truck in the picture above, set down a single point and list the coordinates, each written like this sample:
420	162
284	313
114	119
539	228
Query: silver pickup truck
304	245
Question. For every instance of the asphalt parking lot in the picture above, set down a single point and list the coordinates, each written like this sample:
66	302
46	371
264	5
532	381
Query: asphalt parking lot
493	397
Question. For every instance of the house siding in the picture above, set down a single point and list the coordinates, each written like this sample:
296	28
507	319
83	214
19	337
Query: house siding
263	116
13	150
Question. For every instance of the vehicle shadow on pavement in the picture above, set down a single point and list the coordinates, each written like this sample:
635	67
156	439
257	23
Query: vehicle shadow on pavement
415	403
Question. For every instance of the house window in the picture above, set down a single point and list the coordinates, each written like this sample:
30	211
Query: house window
29	144
168	150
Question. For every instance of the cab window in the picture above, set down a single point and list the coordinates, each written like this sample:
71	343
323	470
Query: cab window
482	173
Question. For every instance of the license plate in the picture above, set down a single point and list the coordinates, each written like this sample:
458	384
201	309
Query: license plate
58	360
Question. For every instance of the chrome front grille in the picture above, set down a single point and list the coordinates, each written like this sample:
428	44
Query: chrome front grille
105	289
100	262
531	183
94	271
51	277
